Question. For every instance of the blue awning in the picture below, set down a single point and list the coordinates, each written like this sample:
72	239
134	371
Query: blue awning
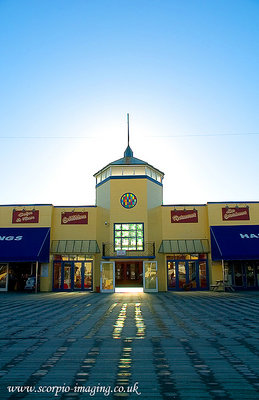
24	244
238	242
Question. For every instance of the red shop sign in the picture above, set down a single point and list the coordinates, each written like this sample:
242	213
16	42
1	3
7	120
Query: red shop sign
235	214
184	216
74	218
25	217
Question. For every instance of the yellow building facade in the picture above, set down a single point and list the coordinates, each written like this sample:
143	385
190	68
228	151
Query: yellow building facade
129	240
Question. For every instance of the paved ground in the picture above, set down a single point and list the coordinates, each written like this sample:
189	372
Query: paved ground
146	346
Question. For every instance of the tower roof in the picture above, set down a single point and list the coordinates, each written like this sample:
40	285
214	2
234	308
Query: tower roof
128	159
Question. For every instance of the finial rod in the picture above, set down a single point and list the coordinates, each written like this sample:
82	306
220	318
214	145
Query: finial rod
128	127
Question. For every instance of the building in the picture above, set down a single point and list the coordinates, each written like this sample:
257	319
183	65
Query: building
130	239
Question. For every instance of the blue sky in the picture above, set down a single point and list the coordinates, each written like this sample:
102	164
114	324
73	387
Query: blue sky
185	71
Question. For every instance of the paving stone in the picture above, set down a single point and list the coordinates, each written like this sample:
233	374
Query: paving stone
194	345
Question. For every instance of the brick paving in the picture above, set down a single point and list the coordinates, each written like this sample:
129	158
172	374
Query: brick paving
186	346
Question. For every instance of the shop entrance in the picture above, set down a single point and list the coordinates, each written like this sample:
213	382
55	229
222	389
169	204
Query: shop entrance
187	275
129	274
3	277
244	274
72	275
18	273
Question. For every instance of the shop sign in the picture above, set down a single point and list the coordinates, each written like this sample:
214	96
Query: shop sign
74	218
25	217
184	216
235	214
121	253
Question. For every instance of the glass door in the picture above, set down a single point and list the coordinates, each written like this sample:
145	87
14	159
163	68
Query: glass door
238	275
3	277
187	275
67	275
107	284
181	274
72	275
78	270
57	275
88	275
192	274
171	265
150	276
203	275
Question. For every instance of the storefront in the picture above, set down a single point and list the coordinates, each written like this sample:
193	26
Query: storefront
73	262
4	277
187	269
237	247
22	252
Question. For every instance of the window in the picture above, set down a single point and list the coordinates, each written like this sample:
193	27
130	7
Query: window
129	237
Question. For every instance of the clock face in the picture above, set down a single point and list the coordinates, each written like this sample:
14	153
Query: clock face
128	200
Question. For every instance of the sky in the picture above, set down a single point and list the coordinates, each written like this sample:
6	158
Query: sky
187	72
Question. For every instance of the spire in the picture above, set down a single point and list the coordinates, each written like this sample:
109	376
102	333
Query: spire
128	128
128	152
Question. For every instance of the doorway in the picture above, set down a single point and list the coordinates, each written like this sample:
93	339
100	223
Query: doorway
3	277
18	273
187	275
72	275
244	274
129	274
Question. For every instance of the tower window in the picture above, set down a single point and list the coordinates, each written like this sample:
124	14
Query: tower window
129	237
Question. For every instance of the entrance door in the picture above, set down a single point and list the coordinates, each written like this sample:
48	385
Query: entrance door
67	275
78	275
107	284
128	274
238	275
72	275
88	267
3	277
187	274
150	276
181	274
250	275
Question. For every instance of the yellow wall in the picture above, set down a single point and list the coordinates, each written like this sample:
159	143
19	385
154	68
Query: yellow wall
176	231
77	231
136	214
215	271
46	282
45	215
215	214
155	235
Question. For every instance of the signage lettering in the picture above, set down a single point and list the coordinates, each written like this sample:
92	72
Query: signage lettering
184	216
249	236
235	214
69	218
24	217
9	238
